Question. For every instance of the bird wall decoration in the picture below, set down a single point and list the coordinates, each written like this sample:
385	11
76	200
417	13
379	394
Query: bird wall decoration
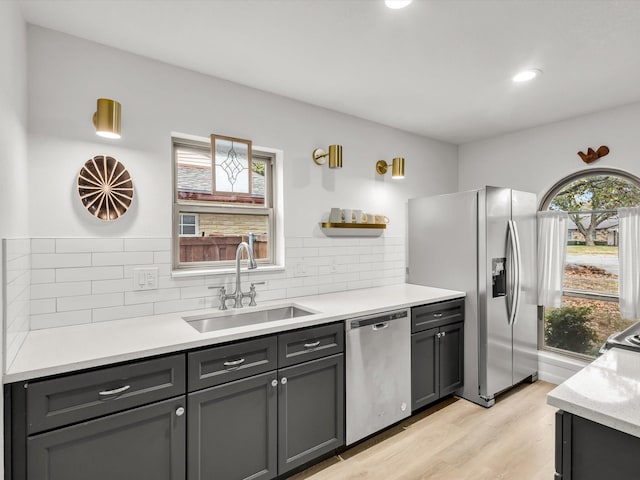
591	155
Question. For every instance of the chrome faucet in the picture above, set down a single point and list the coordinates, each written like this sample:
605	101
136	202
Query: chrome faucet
238	295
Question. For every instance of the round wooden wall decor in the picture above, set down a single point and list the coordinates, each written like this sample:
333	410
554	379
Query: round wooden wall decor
105	188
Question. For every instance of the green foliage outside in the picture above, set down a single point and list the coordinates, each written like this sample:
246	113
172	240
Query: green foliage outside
598	192
258	167
568	328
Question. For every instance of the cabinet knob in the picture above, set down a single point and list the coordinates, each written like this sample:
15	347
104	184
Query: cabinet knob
274	383
180	411
284	380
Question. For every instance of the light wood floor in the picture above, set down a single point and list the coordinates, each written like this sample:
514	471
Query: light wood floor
457	440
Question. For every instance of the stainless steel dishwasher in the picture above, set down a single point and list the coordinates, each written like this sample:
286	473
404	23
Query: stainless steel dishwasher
378	372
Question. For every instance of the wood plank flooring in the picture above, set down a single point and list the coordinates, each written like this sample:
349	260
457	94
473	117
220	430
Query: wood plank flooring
457	440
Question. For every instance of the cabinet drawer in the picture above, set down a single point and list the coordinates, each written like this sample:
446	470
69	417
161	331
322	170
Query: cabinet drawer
310	343
226	363
437	314
81	396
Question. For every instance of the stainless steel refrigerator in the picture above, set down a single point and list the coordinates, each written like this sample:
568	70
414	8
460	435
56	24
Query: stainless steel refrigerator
484	243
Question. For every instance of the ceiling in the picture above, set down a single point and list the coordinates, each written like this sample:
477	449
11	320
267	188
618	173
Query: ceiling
438	68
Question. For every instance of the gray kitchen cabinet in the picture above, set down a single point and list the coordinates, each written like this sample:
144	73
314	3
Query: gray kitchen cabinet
144	443
586	450
310	411
124	421
233	430
437	351
262	426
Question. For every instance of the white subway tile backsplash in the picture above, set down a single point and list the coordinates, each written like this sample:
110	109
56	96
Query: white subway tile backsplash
182	305
112	286
126	311
89	273
45	305
59	290
60	260
147	244
52	320
47	275
122	258
83	302
89	245
43	245
74	280
301	291
151	296
162	257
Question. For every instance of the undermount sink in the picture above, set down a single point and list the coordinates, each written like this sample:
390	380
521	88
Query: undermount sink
237	318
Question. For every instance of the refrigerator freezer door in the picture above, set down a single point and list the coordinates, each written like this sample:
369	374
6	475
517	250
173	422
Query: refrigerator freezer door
525	326
495	331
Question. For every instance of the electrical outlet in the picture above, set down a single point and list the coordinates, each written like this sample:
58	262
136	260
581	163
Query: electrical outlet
145	278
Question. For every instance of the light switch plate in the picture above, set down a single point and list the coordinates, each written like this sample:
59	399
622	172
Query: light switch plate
145	278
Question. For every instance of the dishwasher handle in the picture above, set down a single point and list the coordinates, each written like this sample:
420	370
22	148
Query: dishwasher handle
380	326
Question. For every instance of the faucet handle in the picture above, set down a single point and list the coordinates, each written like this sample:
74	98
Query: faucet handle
252	293
222	295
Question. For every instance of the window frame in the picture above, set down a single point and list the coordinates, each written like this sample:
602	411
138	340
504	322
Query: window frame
272	210
181	225
586	294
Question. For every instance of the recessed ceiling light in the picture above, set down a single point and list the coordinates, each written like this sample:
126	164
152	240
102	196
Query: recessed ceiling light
526	75
395	4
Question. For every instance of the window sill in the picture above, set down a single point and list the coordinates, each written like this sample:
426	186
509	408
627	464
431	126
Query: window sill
224	271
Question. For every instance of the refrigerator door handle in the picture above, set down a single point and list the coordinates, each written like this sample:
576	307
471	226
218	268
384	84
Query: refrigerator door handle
518	263
514	284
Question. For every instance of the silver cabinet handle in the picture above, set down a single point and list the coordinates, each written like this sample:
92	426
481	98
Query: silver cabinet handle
274	383
284	380
437	315
380	326
312	344
234	363
444	333
115	391
180	411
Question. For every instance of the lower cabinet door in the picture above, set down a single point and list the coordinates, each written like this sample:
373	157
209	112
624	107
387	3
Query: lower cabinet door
310	411
425	368
451	358
145	443
232	430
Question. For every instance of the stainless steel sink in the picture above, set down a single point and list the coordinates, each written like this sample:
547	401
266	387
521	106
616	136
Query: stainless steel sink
221	321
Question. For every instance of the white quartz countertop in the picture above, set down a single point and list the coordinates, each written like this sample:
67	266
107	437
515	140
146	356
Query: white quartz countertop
606	391
65	349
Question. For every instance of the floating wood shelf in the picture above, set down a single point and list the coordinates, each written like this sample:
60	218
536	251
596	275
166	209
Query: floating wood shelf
353	229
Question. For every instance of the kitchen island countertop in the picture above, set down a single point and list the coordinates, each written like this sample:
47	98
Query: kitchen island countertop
606	391
61	350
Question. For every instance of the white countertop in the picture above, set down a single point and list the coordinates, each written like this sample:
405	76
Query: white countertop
65	349
606	391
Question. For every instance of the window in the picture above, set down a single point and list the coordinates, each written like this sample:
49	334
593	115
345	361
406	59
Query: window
217	206
188	225
589	311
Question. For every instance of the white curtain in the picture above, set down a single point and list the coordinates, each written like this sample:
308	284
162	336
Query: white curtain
629	257
552	249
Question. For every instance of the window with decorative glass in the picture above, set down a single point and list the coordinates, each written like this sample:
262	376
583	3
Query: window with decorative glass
218	202
589	311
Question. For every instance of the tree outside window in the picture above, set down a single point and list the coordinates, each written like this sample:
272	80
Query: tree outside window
589	312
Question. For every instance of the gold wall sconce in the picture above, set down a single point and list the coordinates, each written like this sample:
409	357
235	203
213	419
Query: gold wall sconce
397	167
335	156
107	118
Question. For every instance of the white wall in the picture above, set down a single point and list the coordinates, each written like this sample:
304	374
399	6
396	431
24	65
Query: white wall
13	152
70	282
67	75
534	159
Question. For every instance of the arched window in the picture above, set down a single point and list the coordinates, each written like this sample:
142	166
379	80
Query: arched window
589	312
